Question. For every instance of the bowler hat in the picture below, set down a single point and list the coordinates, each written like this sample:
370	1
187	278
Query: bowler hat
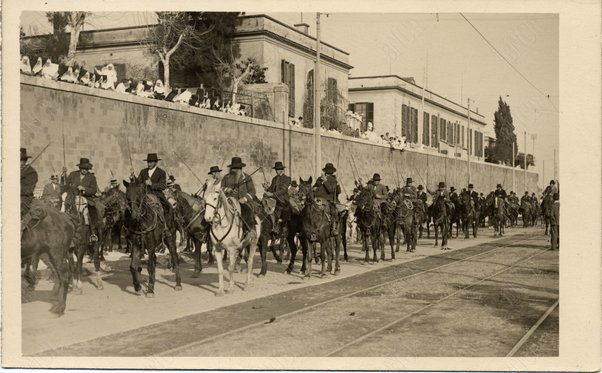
329	168
420	187
441	184
376	177
409	180
114	181
294	184
236	163
84	163
24	155
470	186
152	157
452	189
278	166
213	169
498	186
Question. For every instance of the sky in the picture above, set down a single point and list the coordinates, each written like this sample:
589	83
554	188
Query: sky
461	64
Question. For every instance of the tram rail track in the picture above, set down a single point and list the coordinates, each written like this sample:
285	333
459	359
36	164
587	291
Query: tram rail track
191	346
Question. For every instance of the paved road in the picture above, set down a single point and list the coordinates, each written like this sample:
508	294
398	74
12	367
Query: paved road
479	300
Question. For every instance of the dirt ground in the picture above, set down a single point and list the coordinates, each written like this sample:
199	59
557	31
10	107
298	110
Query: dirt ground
116	309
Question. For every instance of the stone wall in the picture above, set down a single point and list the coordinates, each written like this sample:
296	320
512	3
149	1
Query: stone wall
109	127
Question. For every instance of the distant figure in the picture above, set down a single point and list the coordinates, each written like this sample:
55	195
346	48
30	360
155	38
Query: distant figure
52	192
555	222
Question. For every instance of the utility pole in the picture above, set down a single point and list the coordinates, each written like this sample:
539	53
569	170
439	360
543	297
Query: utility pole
555	168
469	142
513	167
317	145
543	176
525	161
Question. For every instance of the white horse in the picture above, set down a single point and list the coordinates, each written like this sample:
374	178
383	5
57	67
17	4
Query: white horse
227	233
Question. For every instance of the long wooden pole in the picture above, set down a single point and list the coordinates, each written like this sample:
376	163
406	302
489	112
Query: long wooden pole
317	140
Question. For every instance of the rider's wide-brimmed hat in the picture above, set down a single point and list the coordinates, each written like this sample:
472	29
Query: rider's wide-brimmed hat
441	184
420	187
470	186
236	163
213	169
278	166
84	163
152	157
376	177
329	168
498	186
409	180
452	189
24	155
294	184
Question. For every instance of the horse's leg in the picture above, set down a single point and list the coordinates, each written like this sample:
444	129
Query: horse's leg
252	249
80	252
263	243
233	258
151	267
293	249
220	271
311	249
134	265
173	253
97	252
323	255
337	253
198	263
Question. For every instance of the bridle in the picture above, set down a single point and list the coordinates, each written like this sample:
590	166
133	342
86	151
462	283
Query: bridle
142	210
217	218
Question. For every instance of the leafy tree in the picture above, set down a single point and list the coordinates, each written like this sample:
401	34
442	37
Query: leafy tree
50	46
175	30
75	21
504	133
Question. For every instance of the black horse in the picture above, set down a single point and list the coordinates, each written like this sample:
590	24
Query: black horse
469	215
294	227
148	229
370	221
52	234
115	204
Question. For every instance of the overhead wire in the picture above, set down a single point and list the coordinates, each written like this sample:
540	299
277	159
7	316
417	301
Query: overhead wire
508	62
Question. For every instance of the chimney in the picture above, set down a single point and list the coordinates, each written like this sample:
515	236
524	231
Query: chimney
303	27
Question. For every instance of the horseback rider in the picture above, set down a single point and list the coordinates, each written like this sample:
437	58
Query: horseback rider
442	192
29	179
421	195
453	196
52	192
83	183
525	198
238	184
472	194
171	183
380	190
328	189
112	188
155	180
278	189
499	193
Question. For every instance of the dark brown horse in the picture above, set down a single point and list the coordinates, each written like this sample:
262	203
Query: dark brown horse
527	210
147	230
115	204
370	222
88	229
440	212
407	222
269	239
546	210
497	214
294	227
469	215
52	235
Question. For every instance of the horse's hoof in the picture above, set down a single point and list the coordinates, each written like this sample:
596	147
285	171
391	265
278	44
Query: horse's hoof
219	293
288	271
337	272
322	275
196	274
150	295
306	278
260	275
178	288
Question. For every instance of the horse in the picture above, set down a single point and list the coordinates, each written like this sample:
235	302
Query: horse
454	217
406	219
268	237
52	235
388	209
497	215
191	210
512	212
440	213
370	222
535	212
546	210
115	202
89	225
223	213
469	214
294	227
148	229
526	210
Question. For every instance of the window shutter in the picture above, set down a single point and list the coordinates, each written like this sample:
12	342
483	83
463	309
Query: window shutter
370	112
291	90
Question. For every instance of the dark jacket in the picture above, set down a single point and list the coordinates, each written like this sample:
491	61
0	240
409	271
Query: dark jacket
500	193
88	181
422	196
158	180
29	179
555	218
328	188
279	187
411	190
239	190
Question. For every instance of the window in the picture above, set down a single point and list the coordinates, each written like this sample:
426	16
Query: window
288	77
414	125
442	129
462	136
450	132
405	121
366	110
426	133
332	93
434	132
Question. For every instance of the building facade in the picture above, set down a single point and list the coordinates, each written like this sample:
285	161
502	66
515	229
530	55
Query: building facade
395	107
